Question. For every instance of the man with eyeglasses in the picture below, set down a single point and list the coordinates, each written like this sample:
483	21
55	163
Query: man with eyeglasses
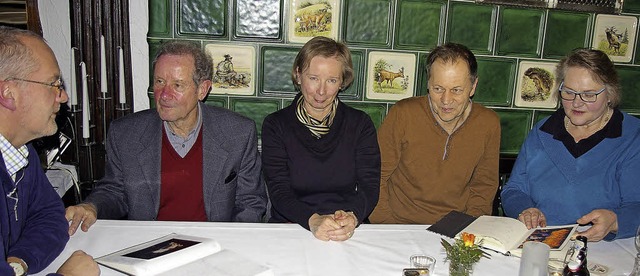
439	152
582	163
32	222
183	161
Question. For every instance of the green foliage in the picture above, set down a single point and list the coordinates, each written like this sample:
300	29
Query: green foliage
460	254
381	64
305	4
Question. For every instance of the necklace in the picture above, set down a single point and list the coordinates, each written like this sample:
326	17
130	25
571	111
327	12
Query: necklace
603	122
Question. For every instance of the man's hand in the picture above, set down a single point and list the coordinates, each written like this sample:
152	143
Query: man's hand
82	213
604	222
532	218
79	264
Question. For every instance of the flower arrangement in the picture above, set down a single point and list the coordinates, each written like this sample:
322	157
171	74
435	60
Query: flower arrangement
463	254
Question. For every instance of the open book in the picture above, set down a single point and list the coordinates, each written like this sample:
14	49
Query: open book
181	254
504	234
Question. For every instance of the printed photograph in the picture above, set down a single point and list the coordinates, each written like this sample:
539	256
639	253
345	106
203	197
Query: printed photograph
390	75
615	35
310	18
536	87
233	69
554	238
161	249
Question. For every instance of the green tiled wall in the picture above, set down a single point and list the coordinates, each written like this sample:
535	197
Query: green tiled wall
500	36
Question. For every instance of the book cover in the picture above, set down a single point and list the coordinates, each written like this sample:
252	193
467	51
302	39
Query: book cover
175	253
451	224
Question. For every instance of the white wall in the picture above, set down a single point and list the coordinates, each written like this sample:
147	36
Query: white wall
56	28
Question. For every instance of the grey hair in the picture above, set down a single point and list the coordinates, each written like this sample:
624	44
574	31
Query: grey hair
16	58
599	65
202	61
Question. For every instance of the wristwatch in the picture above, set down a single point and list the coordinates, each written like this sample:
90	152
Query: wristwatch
18	269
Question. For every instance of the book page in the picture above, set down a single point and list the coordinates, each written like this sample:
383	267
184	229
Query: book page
498	233
159	255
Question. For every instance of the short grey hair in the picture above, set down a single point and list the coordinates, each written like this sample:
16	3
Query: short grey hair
16	58
203	63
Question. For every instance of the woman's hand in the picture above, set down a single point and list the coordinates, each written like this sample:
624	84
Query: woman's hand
348	222
532	218
604	222
320	225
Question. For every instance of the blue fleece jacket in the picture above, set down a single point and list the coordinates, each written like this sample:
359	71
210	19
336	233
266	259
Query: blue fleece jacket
41	231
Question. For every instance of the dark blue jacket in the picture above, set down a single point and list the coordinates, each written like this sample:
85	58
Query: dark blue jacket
41	231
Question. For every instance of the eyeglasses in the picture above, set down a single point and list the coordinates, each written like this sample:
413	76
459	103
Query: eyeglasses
57	84
587	97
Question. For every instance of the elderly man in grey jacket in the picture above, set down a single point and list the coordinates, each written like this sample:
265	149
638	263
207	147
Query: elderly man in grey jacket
184	161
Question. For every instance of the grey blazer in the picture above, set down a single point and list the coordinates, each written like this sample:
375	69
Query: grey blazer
232	183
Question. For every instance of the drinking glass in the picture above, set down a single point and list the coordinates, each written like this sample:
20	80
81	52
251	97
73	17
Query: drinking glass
636	266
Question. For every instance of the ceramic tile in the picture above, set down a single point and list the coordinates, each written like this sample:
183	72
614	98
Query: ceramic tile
496	77
355	90
631	6
421	75
629	76
367	22
202	17
154	45
275	70
541	114
477	34
219	101
258	19
376	111
519	32
254	108
515	127
566	31
160	18
418	24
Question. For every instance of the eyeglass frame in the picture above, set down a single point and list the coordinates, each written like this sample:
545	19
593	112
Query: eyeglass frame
575	93
58	87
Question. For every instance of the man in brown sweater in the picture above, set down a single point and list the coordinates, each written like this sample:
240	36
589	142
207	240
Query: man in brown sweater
439	152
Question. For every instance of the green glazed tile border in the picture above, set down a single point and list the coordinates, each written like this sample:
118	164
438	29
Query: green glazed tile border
275	70
519	32
566	31
160	18
419	24
258	19
354	92
254	108
367	22
154	45
496	78
629	76
472	25
377	111
202	18
515	124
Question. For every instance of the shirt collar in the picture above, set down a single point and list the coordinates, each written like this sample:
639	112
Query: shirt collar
193	132
14	158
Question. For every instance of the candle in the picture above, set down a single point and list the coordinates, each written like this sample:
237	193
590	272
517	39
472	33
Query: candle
103	68
123	95
85	102
73	93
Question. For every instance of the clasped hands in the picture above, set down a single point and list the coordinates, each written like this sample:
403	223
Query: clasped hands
338	226
603	222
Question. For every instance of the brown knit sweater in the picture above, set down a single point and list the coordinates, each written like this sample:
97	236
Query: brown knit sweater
417	185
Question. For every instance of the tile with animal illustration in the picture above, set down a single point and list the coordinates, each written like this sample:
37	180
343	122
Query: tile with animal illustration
233	69
536	85
310	18
615	35
390	75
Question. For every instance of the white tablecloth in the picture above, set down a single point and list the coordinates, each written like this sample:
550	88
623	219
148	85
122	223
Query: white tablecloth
291	250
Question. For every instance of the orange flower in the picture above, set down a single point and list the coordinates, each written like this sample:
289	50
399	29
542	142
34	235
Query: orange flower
468	239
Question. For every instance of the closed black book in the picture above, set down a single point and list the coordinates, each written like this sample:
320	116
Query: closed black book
451	224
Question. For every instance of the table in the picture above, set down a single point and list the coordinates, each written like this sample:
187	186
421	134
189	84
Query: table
291	250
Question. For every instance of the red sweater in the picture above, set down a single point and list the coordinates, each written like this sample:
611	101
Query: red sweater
181	196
